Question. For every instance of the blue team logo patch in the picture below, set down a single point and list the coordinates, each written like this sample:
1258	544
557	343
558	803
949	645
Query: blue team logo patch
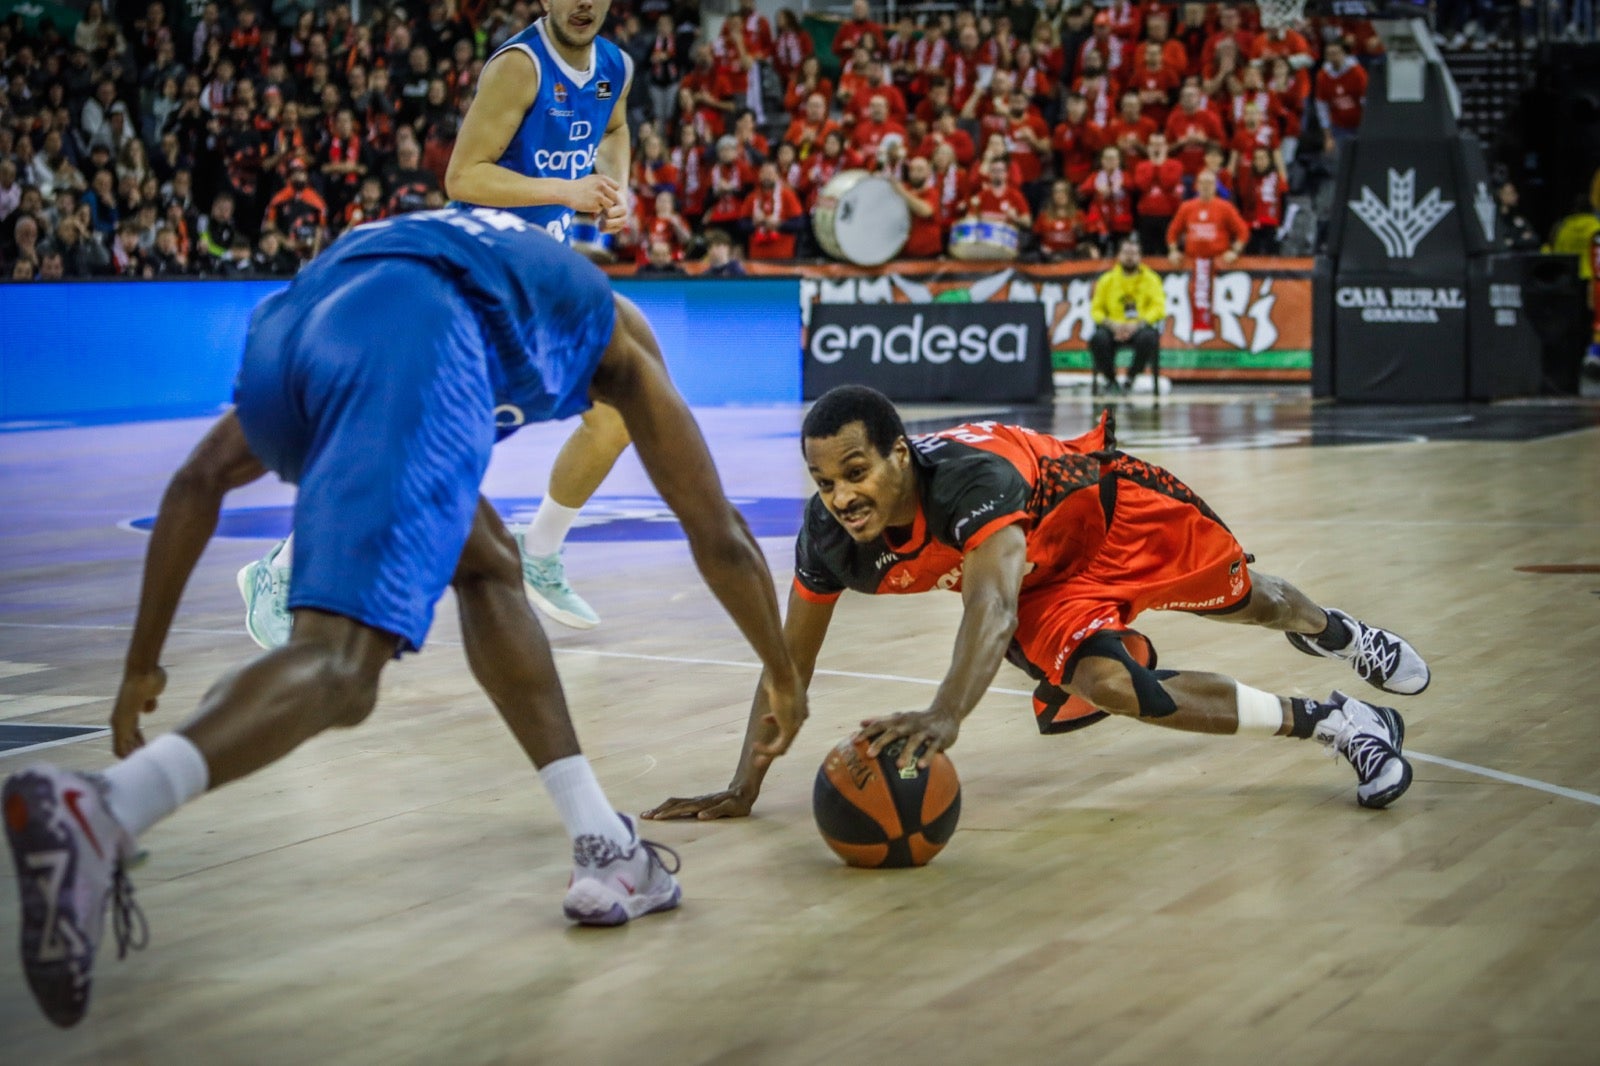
560	92
602	89
605	518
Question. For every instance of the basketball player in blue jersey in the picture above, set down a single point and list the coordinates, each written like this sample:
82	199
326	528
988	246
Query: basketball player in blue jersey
378	382
546	138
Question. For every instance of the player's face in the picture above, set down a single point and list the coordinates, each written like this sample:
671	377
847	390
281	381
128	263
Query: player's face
866	491
574	23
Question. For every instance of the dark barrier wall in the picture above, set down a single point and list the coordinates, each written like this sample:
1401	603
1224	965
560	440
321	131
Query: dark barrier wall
110	351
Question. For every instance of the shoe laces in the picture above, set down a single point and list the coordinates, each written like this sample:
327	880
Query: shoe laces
547	570
273	586
1367	754
1376	654
657	850
127	917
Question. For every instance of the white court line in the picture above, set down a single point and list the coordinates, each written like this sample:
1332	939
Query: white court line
1465	767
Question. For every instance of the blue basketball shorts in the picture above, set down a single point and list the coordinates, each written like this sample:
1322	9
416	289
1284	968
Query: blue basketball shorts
371	393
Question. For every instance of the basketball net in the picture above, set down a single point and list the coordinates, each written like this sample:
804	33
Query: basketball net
1281	14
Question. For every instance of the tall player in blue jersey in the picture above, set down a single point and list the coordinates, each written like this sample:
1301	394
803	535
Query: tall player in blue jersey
546	138
378	382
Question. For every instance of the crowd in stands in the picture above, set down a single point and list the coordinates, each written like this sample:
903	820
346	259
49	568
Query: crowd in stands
236	138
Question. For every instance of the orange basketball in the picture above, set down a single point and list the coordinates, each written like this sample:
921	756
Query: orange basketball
873	814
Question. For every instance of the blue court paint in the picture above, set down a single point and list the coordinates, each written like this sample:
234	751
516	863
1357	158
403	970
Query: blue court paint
604	518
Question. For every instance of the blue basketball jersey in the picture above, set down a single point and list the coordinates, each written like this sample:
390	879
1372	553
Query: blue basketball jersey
545	312
561	131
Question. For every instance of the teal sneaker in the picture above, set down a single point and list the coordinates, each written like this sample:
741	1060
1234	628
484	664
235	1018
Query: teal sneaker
265	588
544	578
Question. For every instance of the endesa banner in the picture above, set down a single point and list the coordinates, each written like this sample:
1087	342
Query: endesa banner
1260	314
1260	318
934	351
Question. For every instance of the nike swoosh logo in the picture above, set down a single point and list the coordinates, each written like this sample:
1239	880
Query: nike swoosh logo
624	883
71	796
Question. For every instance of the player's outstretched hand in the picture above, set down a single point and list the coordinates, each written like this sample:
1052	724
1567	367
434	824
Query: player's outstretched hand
926	732
593	194
729	803
137	696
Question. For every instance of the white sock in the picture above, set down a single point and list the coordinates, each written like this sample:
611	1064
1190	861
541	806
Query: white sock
155	781
283	557
548	529
1259	712
581	802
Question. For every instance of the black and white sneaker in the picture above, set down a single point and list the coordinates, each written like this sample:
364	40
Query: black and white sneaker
1383	659
613	885
69	854
1370	737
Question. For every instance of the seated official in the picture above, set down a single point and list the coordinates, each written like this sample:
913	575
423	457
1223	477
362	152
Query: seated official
1127	309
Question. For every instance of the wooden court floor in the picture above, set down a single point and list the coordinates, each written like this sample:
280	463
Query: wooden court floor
1120	895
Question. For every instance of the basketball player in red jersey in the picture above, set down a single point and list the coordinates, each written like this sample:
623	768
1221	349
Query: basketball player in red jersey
1055	547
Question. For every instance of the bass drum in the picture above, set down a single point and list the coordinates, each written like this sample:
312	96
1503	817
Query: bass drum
860	219
976	239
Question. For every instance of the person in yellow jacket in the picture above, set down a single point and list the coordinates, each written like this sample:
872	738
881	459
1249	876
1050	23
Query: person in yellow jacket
1128	307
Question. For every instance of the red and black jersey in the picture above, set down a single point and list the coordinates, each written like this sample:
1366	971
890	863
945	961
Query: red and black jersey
973	481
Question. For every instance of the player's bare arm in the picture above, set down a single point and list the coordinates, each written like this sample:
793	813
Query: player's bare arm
804	628
505	92
613	159
991	577
632	377
221	462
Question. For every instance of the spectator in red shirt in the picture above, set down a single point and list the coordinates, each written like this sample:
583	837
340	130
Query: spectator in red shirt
946	130
653	171
1341	90
1192	33
1158	179
1034	80
805	83
1191	127
1156	83
1260	188
856	28
999	200
1174	57
664	223
1206	227
930	57
964	63
1059	225
729	180
706	97
1221	76
868	134
1252	133
1229	28
1291	46
774	215
1028	141
1115	52
922	199
807	131
688	158
1288	102
1098	87
791	45
1109	193
950	180
859	76
1077	141
825	164
1130	129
